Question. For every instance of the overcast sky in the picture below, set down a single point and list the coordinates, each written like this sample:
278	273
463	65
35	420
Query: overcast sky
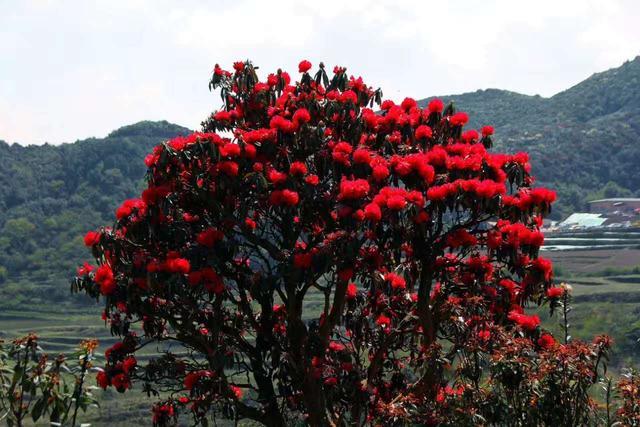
70	70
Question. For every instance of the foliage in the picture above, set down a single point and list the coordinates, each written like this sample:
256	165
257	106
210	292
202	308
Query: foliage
582	141
49	195
36	385
629	391
423	244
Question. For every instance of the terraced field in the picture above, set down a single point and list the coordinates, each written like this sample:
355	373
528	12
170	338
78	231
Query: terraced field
606	290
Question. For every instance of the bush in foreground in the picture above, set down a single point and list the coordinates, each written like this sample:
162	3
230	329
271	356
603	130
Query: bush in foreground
35	385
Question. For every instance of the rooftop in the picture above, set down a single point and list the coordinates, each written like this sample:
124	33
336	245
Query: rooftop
583	220
616	200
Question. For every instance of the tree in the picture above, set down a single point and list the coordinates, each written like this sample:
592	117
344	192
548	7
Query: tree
321	262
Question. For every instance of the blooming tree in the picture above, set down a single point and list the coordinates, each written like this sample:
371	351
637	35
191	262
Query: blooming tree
306	257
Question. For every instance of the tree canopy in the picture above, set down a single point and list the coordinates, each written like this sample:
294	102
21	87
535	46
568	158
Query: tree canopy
421	244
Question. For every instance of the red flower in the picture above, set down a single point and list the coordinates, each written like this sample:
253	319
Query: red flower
353	190
331	381
436	106
312	180
192	378
544	266
229	168
341	152
129	364
380	173
304	66
408	103
546	341
301	116
383	321
387	104
469	136
282	124
276	177
84	269
362	155
336	346
103	380
372	212
290	198
237	391
121	382
556	292
396	281
104	278
129	206
230	150
487	130
525	321
484	335
459	119
221	116
250	224
272	80
209	237
352	291
298	168
302	260
92	238
423	132
348	96
396	202
178	265
238	66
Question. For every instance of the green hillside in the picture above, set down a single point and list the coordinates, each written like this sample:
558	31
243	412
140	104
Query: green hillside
584	141
51	195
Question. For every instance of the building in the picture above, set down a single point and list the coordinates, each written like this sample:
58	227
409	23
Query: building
618	206
581	220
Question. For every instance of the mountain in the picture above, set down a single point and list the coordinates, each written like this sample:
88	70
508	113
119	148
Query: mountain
584	142
51	195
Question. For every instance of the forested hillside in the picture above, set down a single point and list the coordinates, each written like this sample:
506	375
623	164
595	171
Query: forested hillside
584	141
51	195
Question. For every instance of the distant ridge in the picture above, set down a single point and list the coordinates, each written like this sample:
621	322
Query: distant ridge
583	141
50	195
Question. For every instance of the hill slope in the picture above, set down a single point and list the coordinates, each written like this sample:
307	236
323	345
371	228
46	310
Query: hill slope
584	141
50	196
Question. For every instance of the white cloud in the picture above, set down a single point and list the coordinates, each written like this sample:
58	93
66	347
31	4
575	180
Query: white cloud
69	69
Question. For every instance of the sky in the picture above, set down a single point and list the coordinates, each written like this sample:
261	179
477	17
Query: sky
75	69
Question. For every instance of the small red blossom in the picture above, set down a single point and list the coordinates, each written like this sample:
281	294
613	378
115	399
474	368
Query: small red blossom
527	322
487	130
92	238
459	119
104	277
209	237
436	106
304	66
